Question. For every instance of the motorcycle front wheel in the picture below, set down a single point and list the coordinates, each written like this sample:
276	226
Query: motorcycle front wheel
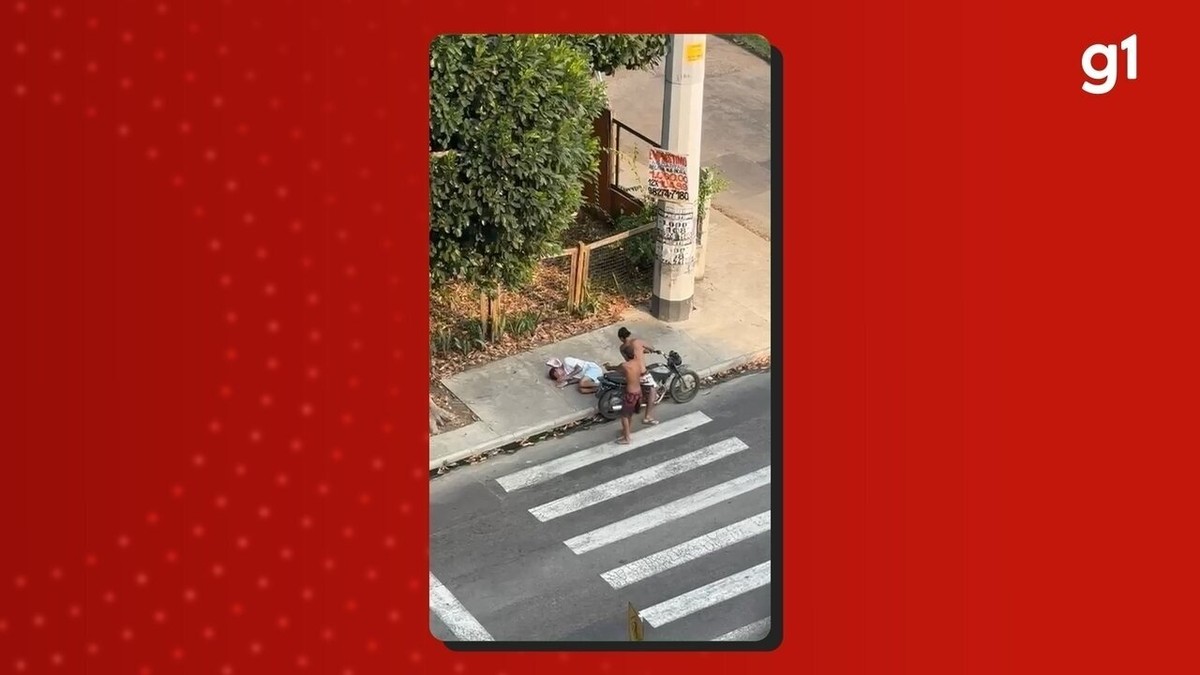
610	404
685	386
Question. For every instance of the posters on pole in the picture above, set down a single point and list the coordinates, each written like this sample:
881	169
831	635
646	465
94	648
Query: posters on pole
676	240
668	176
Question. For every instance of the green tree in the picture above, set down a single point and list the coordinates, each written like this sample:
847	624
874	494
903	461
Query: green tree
610	53
511	139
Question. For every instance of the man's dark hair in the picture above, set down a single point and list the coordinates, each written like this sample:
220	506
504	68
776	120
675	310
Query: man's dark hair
623	333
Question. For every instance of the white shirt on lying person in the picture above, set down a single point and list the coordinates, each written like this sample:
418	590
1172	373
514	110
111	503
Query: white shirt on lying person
589	369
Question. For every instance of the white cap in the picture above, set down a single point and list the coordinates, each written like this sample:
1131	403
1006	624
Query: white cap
555	363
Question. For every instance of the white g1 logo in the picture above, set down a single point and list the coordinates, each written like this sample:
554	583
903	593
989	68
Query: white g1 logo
1105	78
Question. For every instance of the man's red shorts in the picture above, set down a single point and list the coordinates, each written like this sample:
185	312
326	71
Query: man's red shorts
631	403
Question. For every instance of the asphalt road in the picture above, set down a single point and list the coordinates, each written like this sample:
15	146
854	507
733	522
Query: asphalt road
552	542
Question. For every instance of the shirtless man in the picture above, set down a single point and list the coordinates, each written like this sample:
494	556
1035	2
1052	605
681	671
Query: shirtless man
640	348
632	369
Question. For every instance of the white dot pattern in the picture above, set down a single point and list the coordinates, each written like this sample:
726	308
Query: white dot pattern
263	524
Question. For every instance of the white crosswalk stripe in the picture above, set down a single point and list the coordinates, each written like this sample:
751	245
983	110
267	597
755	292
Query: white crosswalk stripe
549	470
452	613
718	588
688	551
629	483
708	595
647	520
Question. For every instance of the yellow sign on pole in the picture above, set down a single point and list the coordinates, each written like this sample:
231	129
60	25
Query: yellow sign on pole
635	625
694	52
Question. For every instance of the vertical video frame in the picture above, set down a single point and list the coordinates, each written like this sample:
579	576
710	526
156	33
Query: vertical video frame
601	392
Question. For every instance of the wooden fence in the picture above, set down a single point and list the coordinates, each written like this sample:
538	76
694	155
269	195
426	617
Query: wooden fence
580	276
582	262
603	189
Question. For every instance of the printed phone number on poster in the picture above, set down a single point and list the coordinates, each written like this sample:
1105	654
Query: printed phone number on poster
666	193
668	185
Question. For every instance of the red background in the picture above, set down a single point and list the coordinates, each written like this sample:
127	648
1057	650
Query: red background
214	277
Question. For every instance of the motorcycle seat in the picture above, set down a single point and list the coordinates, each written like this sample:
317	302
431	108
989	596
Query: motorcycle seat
615	378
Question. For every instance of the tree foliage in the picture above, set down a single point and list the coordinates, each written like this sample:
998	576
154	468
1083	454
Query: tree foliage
511	141
610	53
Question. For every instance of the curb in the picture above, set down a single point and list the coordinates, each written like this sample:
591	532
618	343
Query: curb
733	363
501	441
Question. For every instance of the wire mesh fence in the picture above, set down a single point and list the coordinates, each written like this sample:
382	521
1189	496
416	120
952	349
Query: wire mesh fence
622	264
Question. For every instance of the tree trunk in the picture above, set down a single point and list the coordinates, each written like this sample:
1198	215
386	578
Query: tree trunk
438	416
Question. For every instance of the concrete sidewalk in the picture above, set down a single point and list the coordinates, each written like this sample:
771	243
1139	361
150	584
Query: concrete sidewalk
730	325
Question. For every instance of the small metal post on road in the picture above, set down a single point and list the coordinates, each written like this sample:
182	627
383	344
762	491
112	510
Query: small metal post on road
635	625
683	99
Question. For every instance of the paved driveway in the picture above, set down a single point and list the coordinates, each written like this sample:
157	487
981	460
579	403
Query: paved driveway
737	126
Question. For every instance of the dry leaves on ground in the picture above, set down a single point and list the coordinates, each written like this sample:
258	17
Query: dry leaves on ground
760	364
455	310
450	403
456	337
454	315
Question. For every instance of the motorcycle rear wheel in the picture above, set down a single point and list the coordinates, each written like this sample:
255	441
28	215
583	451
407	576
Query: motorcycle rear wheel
610	404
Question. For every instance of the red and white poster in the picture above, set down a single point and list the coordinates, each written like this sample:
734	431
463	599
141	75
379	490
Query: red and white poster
668	175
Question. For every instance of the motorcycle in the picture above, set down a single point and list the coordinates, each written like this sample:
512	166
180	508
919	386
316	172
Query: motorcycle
671	377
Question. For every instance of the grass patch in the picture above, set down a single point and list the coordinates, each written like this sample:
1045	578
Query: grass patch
755	44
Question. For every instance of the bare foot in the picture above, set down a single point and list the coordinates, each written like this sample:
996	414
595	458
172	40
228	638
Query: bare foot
623	441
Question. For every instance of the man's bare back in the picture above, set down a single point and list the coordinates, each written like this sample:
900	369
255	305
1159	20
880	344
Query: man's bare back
632	369
635	348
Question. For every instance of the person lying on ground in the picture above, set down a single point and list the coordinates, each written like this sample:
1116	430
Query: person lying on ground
570	370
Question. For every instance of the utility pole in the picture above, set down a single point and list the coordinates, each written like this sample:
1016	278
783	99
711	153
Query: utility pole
683	104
